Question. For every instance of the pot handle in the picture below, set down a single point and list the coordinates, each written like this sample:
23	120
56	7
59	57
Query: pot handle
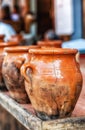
24	69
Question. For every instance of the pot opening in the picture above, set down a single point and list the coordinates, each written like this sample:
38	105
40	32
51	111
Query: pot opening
19	49
53	51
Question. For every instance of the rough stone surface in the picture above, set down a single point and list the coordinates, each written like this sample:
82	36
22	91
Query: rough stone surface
8	122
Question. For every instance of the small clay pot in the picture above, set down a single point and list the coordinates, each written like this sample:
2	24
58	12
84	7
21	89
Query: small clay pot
2	38
54	81
17	38
2	54
49	43
14	59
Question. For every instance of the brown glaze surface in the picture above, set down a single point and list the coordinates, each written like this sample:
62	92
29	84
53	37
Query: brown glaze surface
14	59
2	54
54	82
49	43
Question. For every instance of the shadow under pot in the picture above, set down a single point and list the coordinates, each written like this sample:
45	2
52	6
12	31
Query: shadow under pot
2	54
54	82
14	59
49	43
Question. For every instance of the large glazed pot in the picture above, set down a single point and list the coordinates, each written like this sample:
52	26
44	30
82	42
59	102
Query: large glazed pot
49	43
54	82
14	59
2	46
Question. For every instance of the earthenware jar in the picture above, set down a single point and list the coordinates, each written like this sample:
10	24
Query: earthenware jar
17	38
14	59
2	38
54	81
2	46
49	43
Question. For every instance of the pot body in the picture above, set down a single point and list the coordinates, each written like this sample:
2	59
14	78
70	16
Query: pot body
53	84
12	77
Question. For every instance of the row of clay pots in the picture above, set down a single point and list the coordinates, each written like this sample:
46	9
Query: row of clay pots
52	78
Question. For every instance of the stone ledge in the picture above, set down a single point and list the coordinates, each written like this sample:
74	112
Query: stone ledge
28	119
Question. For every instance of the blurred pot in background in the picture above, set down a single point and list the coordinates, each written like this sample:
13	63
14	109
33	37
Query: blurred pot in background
17	38
49	43
2	38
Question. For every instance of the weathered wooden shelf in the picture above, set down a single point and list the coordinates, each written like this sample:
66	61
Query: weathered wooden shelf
31	122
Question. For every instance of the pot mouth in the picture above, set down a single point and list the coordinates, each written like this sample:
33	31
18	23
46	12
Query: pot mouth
53	51
49	42
19	49
7	44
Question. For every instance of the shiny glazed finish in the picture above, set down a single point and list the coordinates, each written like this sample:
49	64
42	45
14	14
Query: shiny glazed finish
49	43
54	82
14	59
2	46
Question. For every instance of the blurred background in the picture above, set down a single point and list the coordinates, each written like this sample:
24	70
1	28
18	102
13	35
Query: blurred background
39	19
33	18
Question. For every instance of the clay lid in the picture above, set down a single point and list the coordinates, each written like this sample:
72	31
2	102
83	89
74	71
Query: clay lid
7	44
19	49
49	42
53	51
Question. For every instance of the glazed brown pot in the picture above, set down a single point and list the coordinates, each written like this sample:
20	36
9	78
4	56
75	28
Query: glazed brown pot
2	38
49	43
2	54
14	59
54	82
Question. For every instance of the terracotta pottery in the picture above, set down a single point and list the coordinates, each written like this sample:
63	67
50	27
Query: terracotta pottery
17	38
2	38
49	43
14	59
54	82
2	46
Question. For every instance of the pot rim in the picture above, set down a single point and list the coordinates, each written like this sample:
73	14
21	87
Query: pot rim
49	42
6	44
19	49
53	51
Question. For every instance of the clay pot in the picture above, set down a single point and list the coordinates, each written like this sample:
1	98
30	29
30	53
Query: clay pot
17	38
2	38
2	46
49	43
14	59
54	81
